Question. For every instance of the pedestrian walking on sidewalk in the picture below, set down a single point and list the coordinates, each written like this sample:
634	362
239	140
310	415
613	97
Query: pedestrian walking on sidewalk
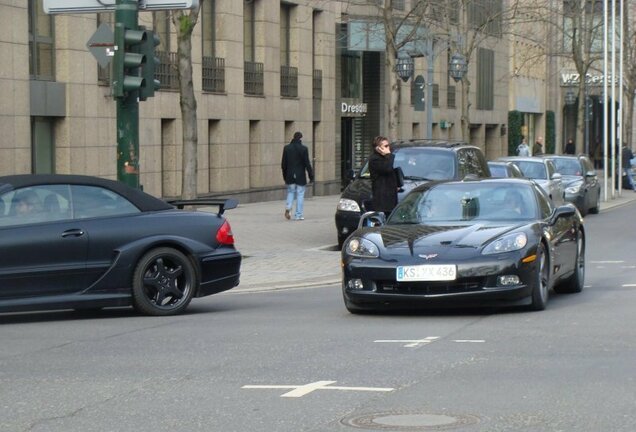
294	164
523	149
384	181
537	148
627	156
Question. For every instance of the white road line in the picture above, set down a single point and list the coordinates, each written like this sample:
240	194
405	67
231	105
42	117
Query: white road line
606	262
629	285
302	390
469	340
410	343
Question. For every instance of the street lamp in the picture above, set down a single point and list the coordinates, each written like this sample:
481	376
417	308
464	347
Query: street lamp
457	67
404	67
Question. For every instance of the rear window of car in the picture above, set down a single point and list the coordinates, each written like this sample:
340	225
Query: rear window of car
568	166
535	170
498	171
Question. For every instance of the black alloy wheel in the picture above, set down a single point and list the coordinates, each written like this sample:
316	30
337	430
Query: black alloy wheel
540	289
164	282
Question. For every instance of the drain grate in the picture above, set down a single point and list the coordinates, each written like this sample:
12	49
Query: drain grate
409	421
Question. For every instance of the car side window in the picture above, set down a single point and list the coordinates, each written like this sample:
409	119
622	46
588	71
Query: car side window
34	204
93	201
545	205
470	162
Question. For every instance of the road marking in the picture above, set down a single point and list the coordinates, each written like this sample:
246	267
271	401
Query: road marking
629	285
302	390
410	343
607	262
469	340
628	267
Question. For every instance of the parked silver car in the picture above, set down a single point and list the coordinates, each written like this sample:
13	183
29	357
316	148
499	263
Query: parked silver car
543	172
582	187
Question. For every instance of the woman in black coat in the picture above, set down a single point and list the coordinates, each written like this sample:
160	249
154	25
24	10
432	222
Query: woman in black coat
384	183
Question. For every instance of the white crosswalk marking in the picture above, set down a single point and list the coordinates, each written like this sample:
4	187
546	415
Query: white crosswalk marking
302	390
410	343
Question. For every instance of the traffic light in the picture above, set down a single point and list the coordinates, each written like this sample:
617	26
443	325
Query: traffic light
149	68
128	60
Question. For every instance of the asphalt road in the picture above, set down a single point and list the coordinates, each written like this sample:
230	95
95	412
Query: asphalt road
568	368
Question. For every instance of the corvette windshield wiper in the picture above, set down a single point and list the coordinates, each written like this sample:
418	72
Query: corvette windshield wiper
416	178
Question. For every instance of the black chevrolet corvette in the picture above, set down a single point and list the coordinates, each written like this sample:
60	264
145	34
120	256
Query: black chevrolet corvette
465	243
73	242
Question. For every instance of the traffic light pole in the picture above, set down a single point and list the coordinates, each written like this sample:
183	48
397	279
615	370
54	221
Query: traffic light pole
126	15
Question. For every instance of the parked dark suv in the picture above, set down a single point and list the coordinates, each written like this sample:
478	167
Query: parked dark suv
421	161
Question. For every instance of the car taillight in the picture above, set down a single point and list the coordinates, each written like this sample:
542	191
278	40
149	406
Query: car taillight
224	234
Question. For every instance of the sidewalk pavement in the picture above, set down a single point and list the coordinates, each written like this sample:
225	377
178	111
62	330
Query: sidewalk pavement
280	253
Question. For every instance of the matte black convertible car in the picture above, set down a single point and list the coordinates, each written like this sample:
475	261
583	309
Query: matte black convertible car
489	242
73	242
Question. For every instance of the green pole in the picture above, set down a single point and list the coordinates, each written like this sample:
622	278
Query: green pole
126	13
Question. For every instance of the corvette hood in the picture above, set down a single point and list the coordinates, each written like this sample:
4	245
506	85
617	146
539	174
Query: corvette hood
460	239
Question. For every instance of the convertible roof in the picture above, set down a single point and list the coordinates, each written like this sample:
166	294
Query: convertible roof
142	200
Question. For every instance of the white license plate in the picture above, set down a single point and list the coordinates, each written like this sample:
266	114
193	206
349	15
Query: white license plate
426	272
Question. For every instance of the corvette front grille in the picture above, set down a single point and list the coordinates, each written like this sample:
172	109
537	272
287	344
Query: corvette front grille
432	288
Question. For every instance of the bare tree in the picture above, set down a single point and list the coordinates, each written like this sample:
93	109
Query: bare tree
184	23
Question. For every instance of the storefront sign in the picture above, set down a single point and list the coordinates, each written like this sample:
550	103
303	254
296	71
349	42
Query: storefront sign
353	108
573	79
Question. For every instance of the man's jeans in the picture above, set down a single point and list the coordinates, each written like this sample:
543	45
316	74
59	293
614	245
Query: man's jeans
299	192
630	179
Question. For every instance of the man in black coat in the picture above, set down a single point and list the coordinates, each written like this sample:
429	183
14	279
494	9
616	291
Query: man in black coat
294	165
384	182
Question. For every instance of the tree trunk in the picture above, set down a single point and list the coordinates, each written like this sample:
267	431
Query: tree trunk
184	24
394	94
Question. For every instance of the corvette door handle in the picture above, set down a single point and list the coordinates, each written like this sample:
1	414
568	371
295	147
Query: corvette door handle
73	233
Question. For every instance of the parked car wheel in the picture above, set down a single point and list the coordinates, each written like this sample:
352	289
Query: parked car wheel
540	290
164	282
574	283
595	210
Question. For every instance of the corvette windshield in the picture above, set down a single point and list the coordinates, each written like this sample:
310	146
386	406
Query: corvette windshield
466	202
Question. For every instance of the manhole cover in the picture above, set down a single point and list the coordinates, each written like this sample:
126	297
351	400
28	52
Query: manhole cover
409	421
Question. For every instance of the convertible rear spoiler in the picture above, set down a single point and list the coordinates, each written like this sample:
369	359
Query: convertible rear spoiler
223	203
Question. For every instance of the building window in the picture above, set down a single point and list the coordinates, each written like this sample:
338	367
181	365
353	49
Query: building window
42	145
485	79
208	27
486	15
249	51
161	27
351	64
285	34
41	43
213	68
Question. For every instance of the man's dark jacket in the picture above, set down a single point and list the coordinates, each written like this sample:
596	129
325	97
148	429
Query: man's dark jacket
627	156
383	182
295	162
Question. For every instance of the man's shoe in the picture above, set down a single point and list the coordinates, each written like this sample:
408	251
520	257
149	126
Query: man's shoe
299	218
287	215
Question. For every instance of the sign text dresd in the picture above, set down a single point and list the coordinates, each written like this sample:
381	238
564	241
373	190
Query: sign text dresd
353	109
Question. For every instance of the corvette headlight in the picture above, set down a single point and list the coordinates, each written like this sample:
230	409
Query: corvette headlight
507	243
361	247
573	188
348	205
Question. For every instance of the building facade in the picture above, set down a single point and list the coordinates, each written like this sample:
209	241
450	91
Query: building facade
263	69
